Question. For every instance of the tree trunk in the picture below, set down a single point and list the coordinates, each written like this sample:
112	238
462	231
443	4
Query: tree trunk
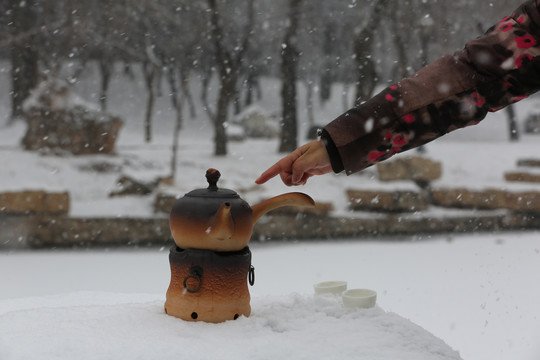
177	105
289	63
345	97
206	77
237	101
512	123
251	84
289	125
228	63
149	74
366	80
309	103
220	140
226	92
105	70
327	76
186	93
400	41
426	27
24	56
365	67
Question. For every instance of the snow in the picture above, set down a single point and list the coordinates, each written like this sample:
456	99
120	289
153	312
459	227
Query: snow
475	292
54	94
472	294
303	327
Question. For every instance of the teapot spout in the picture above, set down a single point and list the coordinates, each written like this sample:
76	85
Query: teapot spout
289	199
222	225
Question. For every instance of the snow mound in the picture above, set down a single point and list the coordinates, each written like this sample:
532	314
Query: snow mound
95	325
56	94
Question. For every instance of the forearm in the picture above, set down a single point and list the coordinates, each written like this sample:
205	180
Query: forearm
491	72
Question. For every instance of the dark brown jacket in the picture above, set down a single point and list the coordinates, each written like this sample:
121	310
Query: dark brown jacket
491	72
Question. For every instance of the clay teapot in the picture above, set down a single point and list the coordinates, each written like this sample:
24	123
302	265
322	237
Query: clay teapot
218	219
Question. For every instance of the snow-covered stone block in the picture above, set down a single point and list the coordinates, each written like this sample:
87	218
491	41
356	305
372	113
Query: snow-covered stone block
490	199
59	120
529	162
415	168
387	201
521	176
34	202
164	203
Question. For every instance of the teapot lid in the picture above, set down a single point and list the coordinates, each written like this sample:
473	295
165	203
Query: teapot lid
212	191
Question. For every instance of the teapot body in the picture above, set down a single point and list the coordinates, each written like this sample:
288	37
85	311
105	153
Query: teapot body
197	224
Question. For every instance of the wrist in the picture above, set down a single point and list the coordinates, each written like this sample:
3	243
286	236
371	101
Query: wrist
331	149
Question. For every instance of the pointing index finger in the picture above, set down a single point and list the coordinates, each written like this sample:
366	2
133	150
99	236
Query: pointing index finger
268	174
281	166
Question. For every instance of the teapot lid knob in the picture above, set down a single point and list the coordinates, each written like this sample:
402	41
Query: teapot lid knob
212	176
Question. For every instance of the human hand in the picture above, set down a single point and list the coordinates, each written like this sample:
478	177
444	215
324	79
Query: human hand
297	167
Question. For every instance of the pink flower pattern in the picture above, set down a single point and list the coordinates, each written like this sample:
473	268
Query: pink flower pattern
408	118
525	41
523	58
476	99
505	27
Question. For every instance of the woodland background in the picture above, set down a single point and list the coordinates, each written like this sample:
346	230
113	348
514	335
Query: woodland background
359	43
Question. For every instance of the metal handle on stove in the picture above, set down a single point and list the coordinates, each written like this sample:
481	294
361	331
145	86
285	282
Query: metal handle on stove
251	275
195	272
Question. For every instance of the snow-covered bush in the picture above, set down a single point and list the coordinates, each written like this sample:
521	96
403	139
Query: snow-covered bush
257	123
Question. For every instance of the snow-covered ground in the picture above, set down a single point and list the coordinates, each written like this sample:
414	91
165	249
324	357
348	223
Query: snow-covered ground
477	293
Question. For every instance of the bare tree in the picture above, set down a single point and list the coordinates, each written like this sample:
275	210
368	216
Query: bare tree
229	60
178	60
327	76
150	70
512	123
24	53
363	50
289	63
400	36
106	26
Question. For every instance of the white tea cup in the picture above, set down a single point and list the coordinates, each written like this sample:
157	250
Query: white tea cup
359	298
330	287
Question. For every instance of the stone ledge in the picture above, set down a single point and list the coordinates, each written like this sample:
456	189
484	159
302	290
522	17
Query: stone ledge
277	227
529	162
51	232
34	202
48	231
394	201
415	168
521	176
490	199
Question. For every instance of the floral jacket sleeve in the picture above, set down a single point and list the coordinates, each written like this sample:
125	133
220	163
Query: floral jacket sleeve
491	72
